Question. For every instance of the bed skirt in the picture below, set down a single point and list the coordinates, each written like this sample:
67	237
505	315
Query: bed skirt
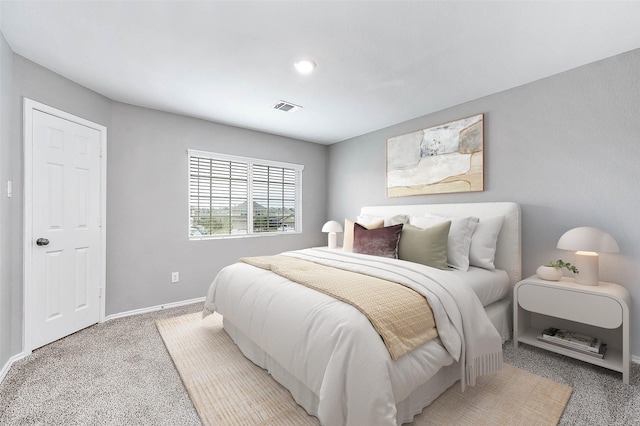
501	317
498	312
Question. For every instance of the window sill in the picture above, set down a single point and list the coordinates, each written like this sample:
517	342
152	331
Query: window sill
231	236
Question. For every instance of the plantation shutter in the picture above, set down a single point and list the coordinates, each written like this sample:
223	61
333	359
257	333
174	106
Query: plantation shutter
231	195
274	189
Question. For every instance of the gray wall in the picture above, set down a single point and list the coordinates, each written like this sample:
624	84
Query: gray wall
32	81
147	215
6	285
566	148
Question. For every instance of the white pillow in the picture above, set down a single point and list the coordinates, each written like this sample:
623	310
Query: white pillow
365	219
459	240
483	242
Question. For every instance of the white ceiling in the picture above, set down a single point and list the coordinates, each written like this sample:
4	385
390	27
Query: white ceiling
379	63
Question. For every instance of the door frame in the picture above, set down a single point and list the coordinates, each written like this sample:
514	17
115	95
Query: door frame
29	107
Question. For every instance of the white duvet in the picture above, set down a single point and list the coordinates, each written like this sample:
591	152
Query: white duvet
331	347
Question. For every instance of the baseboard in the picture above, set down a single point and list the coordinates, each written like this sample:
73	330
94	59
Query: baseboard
154	308
7	366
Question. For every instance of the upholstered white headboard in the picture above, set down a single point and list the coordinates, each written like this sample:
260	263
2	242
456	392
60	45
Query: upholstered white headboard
509	247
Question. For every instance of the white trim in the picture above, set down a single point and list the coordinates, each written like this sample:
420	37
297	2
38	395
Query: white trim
29	106
155	308
229	236
9	363
250	162
240	159
5	369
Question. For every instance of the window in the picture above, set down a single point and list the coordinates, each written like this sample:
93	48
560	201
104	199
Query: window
240	196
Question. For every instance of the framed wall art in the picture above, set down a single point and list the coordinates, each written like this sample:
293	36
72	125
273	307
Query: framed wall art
442	159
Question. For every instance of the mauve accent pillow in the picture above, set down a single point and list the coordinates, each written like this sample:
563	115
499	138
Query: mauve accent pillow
347	241
377	242
426	246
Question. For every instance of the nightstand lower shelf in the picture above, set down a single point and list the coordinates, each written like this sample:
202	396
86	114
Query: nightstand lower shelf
600	311
612	358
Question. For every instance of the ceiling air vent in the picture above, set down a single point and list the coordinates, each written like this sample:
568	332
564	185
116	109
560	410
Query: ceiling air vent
286	106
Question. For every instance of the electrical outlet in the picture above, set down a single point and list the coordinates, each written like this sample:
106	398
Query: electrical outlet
175	277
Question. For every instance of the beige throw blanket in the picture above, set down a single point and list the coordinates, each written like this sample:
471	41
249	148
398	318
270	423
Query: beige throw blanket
401	316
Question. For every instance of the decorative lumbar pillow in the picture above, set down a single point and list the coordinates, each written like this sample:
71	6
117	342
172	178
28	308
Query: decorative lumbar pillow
377	242
426	246
347	242
459	240
482	252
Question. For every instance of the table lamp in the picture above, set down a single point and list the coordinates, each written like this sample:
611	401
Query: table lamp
587	242
332	227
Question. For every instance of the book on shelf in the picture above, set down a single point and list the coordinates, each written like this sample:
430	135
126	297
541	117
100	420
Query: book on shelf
599	354
572	339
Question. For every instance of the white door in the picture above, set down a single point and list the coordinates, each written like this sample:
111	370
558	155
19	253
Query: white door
66	247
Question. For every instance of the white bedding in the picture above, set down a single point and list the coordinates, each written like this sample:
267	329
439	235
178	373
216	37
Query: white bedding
330	348
489	285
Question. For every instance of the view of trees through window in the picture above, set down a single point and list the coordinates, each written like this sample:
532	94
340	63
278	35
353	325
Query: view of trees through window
234	195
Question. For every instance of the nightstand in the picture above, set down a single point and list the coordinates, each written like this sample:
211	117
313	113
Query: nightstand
600	311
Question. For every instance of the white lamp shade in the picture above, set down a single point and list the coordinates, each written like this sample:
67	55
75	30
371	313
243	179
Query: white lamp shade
587	238
332	226
587	242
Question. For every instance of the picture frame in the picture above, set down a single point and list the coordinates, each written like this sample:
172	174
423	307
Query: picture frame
446	158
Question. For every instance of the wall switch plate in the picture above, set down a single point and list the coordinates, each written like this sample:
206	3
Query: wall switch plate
175	277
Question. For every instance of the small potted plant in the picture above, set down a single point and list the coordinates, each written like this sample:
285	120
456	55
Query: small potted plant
553	270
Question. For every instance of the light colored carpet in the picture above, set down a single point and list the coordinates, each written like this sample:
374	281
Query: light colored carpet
226	388
120	373
115	373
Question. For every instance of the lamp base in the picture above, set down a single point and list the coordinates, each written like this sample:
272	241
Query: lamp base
587	264
333	240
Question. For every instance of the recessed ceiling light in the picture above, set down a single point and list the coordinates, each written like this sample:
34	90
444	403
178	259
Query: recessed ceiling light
305	66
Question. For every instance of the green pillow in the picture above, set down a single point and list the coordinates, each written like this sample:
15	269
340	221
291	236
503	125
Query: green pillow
426	246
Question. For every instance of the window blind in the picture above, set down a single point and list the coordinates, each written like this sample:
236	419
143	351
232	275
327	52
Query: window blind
240	196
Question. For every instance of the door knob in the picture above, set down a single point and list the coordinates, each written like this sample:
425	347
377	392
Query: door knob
42	241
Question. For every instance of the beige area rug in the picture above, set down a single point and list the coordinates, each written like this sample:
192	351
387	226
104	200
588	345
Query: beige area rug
228	389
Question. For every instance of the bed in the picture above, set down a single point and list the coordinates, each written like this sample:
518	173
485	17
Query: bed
328	355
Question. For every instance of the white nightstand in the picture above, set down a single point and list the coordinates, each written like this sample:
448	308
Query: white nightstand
600	311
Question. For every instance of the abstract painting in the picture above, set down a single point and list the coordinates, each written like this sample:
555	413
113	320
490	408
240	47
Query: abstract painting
442	159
